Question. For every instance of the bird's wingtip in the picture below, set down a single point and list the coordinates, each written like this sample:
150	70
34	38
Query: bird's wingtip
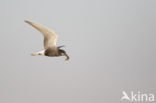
26	21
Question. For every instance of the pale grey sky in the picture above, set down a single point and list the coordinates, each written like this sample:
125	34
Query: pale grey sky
111	43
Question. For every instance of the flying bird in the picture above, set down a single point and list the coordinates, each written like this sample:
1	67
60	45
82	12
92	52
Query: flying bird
50	39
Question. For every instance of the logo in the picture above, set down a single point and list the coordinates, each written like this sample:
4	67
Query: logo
137	97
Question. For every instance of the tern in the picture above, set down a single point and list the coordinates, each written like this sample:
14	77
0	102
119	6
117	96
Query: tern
50	39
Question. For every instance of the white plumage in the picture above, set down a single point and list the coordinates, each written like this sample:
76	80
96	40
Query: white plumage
50	39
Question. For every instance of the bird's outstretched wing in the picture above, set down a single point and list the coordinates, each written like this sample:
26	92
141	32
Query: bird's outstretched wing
50	37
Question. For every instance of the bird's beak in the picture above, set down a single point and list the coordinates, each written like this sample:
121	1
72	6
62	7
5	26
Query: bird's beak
67	57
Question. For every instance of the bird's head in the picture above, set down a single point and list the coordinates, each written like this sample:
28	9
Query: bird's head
63	53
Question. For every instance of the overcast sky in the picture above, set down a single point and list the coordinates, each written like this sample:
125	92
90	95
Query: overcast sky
111	43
